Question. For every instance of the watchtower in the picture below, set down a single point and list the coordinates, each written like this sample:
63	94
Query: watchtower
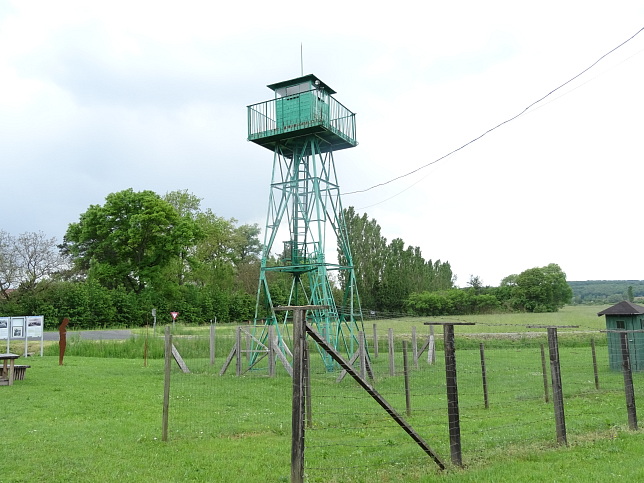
303	126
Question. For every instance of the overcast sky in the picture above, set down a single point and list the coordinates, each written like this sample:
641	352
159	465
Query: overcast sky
97	97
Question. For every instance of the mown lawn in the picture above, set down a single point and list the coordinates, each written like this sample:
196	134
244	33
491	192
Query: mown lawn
98	418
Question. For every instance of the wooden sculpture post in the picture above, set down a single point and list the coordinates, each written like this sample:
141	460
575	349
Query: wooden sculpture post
62	343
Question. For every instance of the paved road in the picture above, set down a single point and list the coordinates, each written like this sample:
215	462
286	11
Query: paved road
92	334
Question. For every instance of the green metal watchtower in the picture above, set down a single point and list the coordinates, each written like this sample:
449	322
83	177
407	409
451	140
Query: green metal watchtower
303	126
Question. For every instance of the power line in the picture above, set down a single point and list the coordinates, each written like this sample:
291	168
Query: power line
493	128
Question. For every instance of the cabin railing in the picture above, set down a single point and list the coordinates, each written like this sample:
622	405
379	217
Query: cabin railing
265	118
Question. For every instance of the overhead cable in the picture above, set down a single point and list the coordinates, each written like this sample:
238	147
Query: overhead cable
498	125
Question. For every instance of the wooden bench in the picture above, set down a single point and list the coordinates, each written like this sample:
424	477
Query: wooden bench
7	373
19	372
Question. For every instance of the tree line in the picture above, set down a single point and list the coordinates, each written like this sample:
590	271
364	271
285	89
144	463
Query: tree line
538	289
140	251
607	291
396	279
136	252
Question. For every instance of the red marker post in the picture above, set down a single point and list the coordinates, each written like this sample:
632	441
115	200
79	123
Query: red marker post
174	317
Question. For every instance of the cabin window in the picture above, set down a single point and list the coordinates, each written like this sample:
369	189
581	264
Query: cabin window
293	90
620	324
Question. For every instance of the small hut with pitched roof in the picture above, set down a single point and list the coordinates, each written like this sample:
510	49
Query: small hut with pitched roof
625	316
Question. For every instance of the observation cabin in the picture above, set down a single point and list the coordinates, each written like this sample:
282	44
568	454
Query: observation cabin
302	107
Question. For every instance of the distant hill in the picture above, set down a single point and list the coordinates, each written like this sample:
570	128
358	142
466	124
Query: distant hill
606	291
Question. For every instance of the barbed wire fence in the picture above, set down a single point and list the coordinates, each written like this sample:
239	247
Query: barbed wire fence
505	390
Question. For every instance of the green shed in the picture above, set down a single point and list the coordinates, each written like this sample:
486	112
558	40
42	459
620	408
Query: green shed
625	316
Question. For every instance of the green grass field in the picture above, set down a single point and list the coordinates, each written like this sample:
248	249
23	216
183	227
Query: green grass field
583	316
98	417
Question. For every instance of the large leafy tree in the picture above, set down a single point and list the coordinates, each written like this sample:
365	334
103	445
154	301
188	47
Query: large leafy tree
129	240
214	253
188	207
541	289
245	244
135	252
220	251
395	284
368	250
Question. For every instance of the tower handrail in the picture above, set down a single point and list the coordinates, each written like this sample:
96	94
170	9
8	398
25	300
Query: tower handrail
262	119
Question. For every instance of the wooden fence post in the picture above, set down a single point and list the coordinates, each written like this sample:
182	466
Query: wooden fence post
484	376
271	351
452	396
557	391
238	354
628	383
414	346
166	383
545	374
431	349
298	407
392	368
248	346
406	373
362	355
307	384
212	344
375	341
297	412
592	347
